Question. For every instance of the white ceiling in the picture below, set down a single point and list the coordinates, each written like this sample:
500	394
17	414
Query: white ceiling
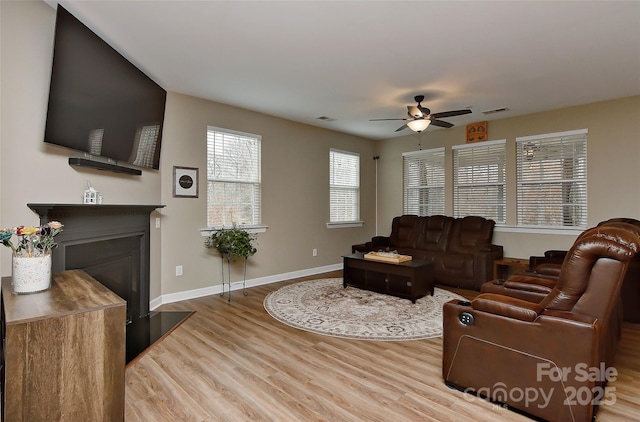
358	60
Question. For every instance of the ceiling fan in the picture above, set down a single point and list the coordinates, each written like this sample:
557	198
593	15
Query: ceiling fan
421	117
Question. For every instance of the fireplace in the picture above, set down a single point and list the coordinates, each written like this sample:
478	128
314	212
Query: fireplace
109	242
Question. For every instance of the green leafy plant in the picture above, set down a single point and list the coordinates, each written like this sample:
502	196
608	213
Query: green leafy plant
234	242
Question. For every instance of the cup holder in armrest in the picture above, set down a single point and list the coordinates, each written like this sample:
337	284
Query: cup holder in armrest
464	303
499	281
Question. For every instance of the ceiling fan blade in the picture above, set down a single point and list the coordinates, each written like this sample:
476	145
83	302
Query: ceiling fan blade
415	111
451	113
441	123
403	127
380	120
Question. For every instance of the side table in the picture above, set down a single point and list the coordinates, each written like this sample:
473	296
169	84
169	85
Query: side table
504	266
63	351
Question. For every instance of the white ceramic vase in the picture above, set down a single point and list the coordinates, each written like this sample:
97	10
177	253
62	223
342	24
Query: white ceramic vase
31	274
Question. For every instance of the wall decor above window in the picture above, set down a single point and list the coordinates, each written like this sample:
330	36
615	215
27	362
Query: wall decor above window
477	132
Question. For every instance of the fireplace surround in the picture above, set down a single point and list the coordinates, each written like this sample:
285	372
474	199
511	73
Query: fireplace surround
110	243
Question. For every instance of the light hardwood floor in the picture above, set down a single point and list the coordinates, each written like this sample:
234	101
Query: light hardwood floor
233	362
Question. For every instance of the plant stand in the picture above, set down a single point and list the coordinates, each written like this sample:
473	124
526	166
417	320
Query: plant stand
244	276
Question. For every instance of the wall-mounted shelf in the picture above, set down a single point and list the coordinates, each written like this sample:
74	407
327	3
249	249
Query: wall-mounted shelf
99	165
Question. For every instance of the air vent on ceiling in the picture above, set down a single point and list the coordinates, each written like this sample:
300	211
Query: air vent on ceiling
495	110
326	119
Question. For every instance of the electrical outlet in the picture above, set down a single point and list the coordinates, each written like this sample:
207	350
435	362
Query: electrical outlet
314	252
157	222
178	270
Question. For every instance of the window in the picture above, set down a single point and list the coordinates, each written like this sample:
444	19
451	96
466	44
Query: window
344	186
552	179
233	178
479	180
424	182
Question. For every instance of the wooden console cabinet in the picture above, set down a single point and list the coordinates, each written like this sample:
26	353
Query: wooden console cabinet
409	280
63	352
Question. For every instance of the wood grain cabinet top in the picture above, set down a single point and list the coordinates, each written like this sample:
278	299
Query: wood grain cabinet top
64	352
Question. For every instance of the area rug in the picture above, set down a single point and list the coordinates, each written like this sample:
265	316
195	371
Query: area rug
325	307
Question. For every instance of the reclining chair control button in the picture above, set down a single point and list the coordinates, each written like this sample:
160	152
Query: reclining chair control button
466	318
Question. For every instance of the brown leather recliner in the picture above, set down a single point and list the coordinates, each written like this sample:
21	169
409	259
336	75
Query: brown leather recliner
535	286
550	359
537	283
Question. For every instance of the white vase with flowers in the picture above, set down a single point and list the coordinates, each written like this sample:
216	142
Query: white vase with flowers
31	255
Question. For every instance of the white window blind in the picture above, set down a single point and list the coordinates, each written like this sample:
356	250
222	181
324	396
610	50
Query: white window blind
95	141
424	182
552	179
344	186
233	178
479	180
146	139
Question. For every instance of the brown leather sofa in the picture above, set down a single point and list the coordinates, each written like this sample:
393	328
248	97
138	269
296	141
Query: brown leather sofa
535	284
460	248
552	359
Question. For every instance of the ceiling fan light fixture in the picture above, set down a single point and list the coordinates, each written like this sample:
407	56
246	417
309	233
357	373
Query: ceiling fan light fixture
419	125
414	112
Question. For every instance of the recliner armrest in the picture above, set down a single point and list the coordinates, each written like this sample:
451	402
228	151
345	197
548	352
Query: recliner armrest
570	316
552	256
361	247
527	287
506	306
532	282
380	242
549	270
554	253
491	248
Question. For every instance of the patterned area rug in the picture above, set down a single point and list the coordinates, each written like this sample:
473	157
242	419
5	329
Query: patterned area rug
325	307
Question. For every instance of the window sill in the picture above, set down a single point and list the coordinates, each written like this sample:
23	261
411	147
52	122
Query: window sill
251	229
573	231
345	224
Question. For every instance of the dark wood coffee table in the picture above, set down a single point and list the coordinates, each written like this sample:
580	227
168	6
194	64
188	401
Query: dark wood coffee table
409	280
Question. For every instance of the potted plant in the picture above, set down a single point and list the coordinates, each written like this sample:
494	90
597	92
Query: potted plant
232	243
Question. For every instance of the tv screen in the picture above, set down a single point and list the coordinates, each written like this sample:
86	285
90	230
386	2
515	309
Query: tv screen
99	102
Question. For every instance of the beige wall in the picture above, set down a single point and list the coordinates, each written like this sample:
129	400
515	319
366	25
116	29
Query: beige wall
32	171
613	173
294	171
295	192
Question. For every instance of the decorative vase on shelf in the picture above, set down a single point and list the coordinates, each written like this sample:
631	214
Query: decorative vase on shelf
31	274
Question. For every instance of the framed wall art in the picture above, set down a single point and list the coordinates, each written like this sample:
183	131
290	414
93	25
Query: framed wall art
477	132
185	182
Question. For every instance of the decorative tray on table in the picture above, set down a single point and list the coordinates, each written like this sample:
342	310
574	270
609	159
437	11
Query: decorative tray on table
392	257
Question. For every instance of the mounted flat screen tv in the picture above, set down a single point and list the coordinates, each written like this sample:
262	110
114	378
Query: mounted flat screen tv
99	102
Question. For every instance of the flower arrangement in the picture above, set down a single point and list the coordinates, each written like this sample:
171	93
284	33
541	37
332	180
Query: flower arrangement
32	241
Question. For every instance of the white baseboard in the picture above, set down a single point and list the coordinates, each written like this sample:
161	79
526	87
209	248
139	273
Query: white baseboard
217	289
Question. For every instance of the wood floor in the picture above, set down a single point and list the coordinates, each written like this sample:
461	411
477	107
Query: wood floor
233	362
